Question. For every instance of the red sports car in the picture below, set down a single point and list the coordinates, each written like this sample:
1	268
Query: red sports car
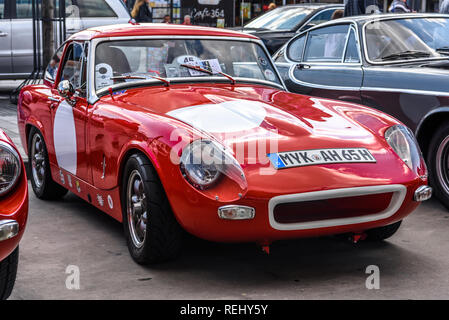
13	212
169	127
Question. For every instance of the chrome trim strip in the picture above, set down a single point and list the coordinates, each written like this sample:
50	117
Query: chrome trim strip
318	86
399	191
409	91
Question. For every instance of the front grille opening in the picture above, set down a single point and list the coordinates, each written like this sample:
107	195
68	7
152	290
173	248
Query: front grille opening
338	208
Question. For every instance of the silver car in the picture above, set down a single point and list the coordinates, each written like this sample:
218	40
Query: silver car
16	29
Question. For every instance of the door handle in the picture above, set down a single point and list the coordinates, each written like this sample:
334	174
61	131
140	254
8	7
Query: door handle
302	66
3	34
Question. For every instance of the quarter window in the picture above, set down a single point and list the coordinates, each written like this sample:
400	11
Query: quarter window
296	49
89	9
326	44
53	65
73	69
352	50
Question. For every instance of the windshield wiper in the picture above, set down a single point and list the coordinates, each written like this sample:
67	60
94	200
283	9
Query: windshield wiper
406	54
196	68
127	77
443	50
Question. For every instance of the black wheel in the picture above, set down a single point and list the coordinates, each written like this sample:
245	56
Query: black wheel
438	164
43	185
382	233
152	233
8	272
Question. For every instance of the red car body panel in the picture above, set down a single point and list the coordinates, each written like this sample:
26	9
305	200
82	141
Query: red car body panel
14	206
143	119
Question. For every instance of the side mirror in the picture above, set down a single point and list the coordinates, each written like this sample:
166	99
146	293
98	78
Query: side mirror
65	89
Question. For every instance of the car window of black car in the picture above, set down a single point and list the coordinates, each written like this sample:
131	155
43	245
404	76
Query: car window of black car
352	50
326	44
321	17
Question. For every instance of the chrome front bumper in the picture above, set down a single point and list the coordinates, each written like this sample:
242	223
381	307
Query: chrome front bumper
8	229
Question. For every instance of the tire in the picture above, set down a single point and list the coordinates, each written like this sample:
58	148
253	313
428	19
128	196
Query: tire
438	165
382	233
8	272
41	181
152	233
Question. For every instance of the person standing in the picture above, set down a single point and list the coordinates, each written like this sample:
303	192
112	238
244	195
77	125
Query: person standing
444	6
360	7
187	20
167	19
399	6
141	12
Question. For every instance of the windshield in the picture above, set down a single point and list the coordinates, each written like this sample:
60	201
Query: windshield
433	31
393	40
133	60
280	19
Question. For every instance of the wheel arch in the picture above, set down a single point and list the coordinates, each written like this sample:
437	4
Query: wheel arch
28	127
427	126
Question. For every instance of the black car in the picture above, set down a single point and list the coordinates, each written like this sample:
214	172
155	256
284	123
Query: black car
394	63
277	26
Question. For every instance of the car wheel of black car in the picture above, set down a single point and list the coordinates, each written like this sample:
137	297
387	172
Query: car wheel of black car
438	164
8	271
41	181
382	233
152	233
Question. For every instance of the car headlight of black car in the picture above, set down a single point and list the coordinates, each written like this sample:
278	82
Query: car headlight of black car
10	167
204	162
403	142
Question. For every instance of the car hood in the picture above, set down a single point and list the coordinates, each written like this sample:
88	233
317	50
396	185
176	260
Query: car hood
235	115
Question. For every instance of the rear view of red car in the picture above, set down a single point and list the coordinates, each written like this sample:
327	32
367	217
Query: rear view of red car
13	212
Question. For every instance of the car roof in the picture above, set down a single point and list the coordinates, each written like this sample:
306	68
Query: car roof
385	16
154	29
311	5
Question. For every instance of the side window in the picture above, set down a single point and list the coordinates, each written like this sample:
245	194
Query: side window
352	50
73	67
326	44
321	17
53	65
24	9
94	9
296	48
2	9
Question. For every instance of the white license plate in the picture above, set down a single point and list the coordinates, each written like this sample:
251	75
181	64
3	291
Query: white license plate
302	158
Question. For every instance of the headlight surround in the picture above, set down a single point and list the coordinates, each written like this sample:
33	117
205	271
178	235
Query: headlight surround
403	142
204	162
10	167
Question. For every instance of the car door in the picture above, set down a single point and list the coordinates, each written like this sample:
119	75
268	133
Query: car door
327	63
70	115
5	38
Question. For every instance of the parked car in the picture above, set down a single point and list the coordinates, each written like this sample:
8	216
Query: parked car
13	212
16	29
277	26
380	61
158	125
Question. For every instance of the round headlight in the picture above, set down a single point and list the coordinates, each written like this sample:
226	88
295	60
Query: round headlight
203	162
10	167
199	163
403	142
